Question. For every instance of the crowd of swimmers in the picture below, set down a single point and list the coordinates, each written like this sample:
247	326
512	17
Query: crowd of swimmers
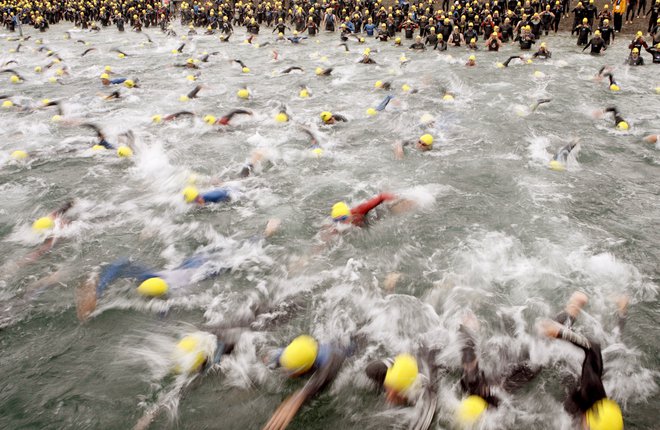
412	376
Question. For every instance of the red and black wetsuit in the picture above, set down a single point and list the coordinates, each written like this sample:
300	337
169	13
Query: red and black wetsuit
360	212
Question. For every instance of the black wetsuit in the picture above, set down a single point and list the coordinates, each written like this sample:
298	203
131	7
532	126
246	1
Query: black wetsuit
656	54
583	32
597	44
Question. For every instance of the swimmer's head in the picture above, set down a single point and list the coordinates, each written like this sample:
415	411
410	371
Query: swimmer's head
243	93
210	119
402	374
326	116
157	119
622	125
153	287
15	79
426	141
43	223
397	41
7	104
372	112
605	414
614	87
299	356
470	410
340	212
556	166
190	354
129	83
190	194
124	151
281	117
19	155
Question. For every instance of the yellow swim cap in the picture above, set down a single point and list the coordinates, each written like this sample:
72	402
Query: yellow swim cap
378	84
372	112
300	354
190	194
245	70
281	117
184	98
556	166
59	72
157	119
448	98
304	93
120	55
189	354
124	151
538	74
191	78
45	101
402	374
105	76
405	87
174	51
243	93
605	414
128	83
19	154
7	104
56	118
623	125
52	79
426	140
318	152
325	116
99	148
614	87
318	71
43	223
499	65
107	69
340	210
153	287
210	119
37	69
15	79
471	409
397	40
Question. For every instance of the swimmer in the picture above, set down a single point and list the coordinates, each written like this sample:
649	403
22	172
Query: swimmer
472	61
291	69
295	38
588	398
655	52
539	103
619	122
323	72
102	141
418	45
423	144
543	52
302	357
106	81
583	31
205	57
366	58
192	94
225	119
87	51
342	214
173	116
120	53
560	159
597	44
493	43
219	195
189	64
329	118
511	58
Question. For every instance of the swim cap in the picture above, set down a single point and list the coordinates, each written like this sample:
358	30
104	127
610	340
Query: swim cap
190	194
99	148
43	223
209	119
174	51
426	140
243	93
191	78
318	71
281	117
529	61
397	40
128	83
59	72
340	210
378	84
472	58
635	51
107	69
538	74
19	155
300	354
318	152
639	34
37	69
623	125
614	87
120	55
556	166
7	104
605	414
45	101
245	70
153	287
372	112
105	76
14	79
585	20
304	93
402	374
184	98
471	409
189	354
56	118
124	151
325	116
157	119
405	87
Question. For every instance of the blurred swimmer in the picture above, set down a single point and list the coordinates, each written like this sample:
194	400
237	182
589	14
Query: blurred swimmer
423	144
302	357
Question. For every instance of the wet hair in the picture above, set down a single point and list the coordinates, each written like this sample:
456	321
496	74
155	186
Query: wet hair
376	371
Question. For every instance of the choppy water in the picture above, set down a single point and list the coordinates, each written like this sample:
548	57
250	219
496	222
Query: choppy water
496	231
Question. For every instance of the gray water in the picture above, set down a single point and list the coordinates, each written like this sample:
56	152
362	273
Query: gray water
494	231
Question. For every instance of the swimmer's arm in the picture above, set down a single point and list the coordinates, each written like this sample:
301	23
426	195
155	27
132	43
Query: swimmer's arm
586	46
367	206
398	150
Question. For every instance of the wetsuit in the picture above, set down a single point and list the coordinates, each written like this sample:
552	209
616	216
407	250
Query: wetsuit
418	46
214	196
117	81
607	33
583	32
635	61
542	53
617	117
597	44
359	213
656	54
564	152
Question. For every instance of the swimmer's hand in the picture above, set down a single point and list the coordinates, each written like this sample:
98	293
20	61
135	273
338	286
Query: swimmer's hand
390	281
272	226
398	151
549	328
